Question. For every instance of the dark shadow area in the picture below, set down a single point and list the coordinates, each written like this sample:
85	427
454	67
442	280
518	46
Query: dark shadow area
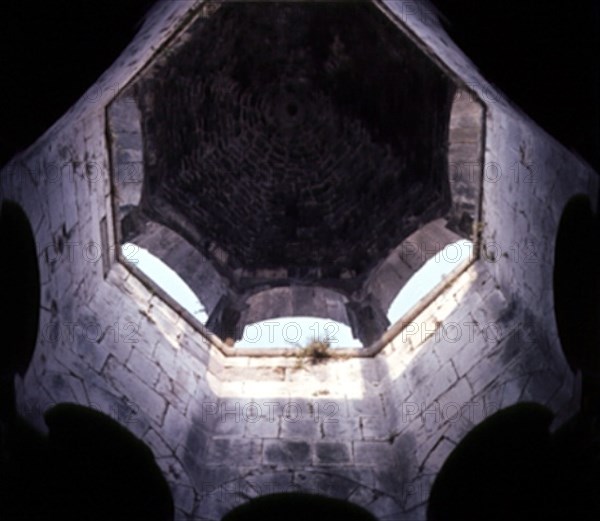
338	185
51	53
542	55
511	467
19	290
576	291
88	467
297	507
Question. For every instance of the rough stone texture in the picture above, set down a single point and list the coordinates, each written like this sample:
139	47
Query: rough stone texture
238	146
374	431
290	118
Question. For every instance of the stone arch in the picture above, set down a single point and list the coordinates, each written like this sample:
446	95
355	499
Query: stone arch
87	467
405	260
297	506
576	285
20	283
513	465
294	301
499	470
336	203
465	140
101	470
337	485
177	253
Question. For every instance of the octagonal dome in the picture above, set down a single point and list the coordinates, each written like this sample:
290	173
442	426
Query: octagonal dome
288	144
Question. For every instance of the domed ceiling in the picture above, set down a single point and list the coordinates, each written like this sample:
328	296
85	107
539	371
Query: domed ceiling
290	143
305	137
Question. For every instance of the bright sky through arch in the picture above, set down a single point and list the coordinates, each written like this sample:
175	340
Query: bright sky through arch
165	278
294	331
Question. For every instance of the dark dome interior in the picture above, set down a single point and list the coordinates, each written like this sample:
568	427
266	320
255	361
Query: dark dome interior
305	138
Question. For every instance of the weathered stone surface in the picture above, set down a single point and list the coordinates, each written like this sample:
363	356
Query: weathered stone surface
327	453
286	453
159	385
143	367
231	451
369	452
306	429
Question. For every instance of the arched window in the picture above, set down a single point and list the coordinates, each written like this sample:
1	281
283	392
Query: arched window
297	331
167	279
430	275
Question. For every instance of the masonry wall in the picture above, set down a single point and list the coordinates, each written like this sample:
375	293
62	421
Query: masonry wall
374	431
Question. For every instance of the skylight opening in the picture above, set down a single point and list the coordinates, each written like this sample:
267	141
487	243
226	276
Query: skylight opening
167	279
299	331
432	273
291	332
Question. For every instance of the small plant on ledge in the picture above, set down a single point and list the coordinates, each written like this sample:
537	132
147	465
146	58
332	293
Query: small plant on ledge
316	351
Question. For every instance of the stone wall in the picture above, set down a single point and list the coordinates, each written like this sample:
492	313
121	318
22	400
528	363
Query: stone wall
107	341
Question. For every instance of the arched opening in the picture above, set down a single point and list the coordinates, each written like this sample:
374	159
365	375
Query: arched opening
166	279
498	471
88	467
576	287
576	291
429	276
297	507
297	331
268	211
19	301
20	290
103	470
511	466
293	316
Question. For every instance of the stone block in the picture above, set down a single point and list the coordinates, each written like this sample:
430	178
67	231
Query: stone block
341	429
166	357
175	427
232	451
150	403
262	427
193	357
302	428
372	453
328	409
157	444
332	453
286	453
271	482
143	367
227	417
369	405
183	497
374	428
433	386
174	394
485	372
92	353
435	459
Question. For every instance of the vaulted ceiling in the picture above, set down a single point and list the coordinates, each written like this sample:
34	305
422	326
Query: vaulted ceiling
309	138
